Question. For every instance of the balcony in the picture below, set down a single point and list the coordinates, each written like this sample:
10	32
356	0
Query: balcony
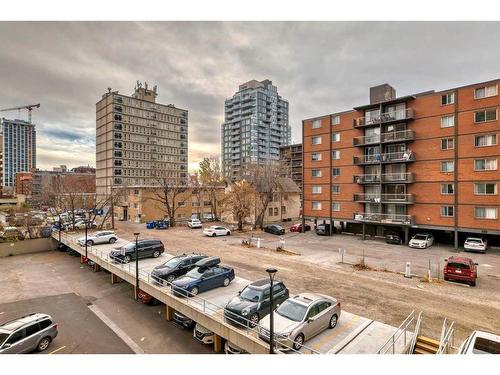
383	218
390	157
384	198
389	137
406	177
384	118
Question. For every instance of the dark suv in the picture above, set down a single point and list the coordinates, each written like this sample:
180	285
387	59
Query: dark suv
28	333
175	267
252	303
146	249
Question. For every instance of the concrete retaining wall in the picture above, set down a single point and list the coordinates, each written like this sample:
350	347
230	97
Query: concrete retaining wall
27	246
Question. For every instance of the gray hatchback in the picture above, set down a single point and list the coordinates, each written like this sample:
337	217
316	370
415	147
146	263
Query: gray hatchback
29	333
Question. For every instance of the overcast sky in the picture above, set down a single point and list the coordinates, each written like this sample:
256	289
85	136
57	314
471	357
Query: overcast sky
320	67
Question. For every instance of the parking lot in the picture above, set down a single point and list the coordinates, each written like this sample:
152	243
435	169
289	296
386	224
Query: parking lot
384	296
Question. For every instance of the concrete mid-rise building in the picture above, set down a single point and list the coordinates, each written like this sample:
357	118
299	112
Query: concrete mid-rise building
255	126
291	159
139	140
19	149
427	161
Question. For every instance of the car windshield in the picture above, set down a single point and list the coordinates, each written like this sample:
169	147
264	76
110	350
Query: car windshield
292	310
420	237
195	273
172	263
251	294
474	240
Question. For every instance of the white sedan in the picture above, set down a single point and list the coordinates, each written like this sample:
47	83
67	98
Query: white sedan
216	231
475	244
421	241
98	238
194	223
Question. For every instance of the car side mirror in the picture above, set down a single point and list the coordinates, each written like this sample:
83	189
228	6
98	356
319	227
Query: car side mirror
476	264
309	320
8	345
278	305
239	292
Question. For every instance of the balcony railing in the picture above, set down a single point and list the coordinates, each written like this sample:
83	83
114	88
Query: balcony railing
383	218
390	157
384	178
399	136
391	116
384	198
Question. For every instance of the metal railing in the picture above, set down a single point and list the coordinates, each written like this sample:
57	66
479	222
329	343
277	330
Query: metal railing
383	218
396	136
447	339
398	115
389	157
191	299
416	333
381	198
384	177
401	331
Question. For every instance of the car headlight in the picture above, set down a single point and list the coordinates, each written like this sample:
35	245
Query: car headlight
245	311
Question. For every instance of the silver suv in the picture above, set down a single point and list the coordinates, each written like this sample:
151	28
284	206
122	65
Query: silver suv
24	335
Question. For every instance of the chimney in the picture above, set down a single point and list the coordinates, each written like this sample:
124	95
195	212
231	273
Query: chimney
382	93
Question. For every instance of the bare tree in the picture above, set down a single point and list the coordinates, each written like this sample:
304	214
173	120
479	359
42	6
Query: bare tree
267	184
212	179
239	201
167	193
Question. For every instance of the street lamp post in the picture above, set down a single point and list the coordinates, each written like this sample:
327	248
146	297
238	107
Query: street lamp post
271	272
136	264
86	234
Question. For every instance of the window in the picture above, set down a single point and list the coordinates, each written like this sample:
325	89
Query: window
336	120
181	204
316	140
283	210
485	115
447	211
336	155
335	206
485	140
316	173
447	144
335	172
32	329
316	205
485	189
448	98
15	337
270	211
195	204
447	166
485	212
316	124
275	211
485	164
316	189
316	156
448	121
485	92
335	189
335	137
447	189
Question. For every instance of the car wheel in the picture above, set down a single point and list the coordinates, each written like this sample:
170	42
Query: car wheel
333	321
43	344
156	254
213	234
170	278
473	283
90	243
228	233
126	259
112	240
253	320
298	342
226	281
194	291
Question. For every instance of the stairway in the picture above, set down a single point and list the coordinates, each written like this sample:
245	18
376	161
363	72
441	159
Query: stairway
425	345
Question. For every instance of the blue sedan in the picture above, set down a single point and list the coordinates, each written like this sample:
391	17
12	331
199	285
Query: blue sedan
208	275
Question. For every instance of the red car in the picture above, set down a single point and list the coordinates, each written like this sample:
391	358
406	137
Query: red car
298	227
146	298
460	269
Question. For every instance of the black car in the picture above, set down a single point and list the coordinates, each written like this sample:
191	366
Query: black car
252	303
145	249
274	229
323	229
175	267
183	320
393	238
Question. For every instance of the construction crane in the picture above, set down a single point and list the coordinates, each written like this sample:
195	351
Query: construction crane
28	107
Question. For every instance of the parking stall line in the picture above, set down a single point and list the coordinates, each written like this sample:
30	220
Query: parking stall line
55	351
335	333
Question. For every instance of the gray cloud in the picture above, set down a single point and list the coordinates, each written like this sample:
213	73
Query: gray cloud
320	67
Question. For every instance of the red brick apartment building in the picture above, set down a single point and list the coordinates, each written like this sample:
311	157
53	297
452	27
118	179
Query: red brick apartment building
420	162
